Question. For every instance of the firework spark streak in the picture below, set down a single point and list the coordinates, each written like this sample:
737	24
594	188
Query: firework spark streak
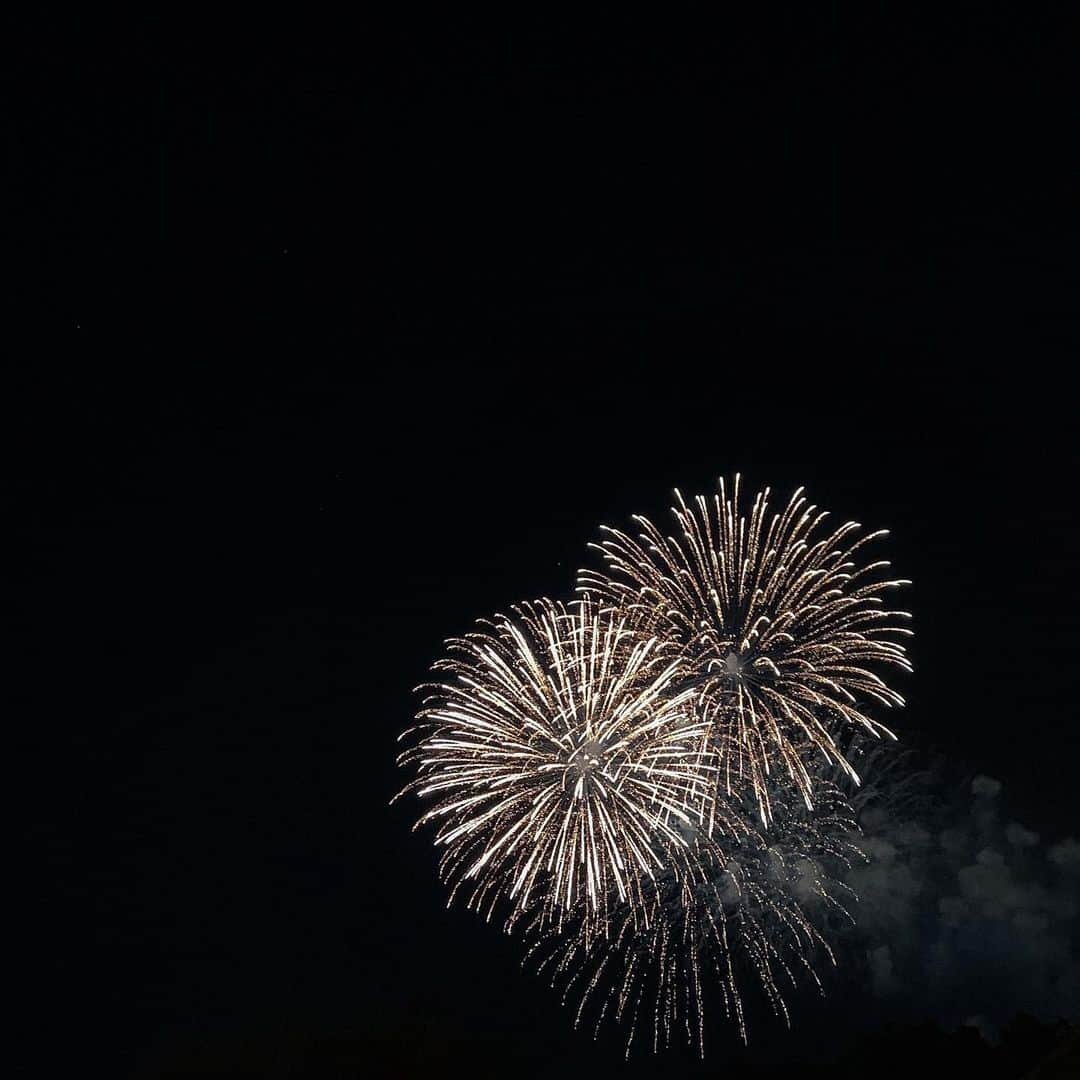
779	620
752	905
563	760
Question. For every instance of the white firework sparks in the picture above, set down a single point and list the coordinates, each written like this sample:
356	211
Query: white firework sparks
562	759
779	620
752	906
648	780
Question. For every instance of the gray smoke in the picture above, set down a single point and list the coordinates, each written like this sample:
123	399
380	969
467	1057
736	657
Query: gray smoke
965	916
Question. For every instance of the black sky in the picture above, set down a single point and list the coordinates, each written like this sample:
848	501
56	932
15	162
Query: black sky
342	336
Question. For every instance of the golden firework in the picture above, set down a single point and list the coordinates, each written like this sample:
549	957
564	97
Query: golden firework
563	760
779	621
648	780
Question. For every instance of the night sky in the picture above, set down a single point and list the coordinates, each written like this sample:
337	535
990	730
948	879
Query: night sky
341	336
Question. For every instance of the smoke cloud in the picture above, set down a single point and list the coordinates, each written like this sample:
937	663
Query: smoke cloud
964	915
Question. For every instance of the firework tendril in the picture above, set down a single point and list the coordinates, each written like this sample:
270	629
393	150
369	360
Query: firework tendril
753	907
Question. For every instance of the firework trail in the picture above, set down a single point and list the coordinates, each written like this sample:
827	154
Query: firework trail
562	759
779	620
753	907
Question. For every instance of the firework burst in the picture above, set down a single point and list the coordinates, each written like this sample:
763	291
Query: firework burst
779	620
656	783
563	761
